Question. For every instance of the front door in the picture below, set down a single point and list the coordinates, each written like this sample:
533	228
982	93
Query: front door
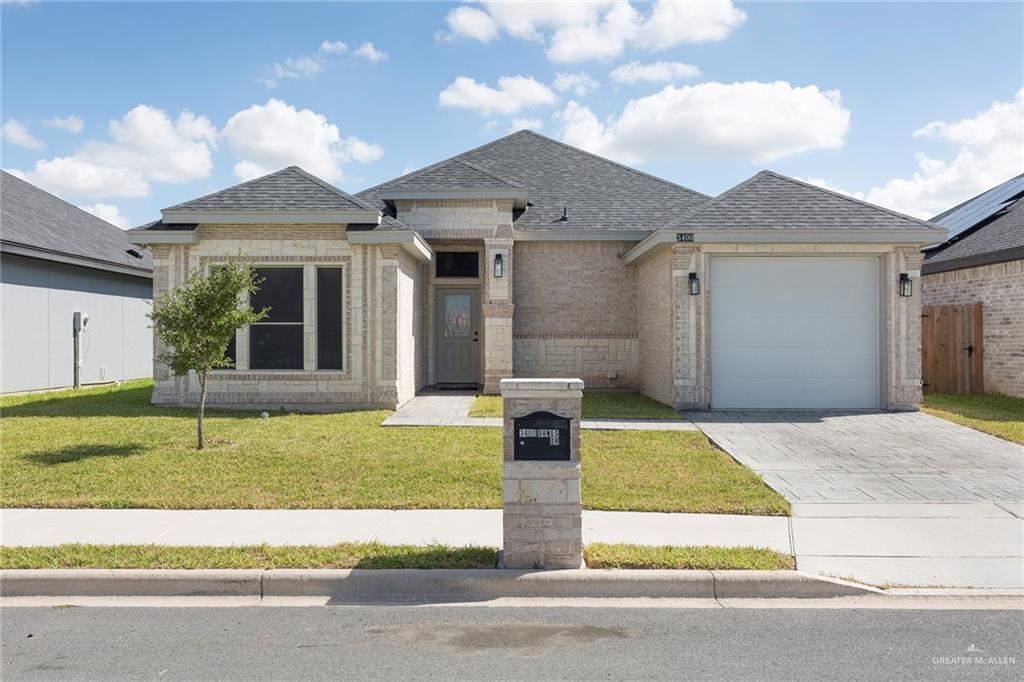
457	334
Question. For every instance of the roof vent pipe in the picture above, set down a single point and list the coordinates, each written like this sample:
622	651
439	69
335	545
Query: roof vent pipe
565	214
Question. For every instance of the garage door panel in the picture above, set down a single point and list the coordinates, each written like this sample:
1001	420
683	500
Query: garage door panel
796	332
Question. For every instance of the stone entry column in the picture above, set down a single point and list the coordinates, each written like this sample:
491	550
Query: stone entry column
542	519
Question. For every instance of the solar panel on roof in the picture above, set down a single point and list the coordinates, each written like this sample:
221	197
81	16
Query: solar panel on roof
981	207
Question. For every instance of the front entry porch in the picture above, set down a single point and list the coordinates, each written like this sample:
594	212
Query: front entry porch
470	314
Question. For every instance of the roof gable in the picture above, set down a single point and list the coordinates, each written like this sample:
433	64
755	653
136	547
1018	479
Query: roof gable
771	201
290	189
593	192
49	227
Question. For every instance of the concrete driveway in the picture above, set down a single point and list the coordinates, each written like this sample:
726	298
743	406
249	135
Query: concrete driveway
888	498
869	456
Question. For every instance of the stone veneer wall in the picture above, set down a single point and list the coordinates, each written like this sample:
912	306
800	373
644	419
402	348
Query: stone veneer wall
576	313
370	339
654	326
1000	290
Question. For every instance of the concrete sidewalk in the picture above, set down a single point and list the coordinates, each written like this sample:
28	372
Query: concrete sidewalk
926	544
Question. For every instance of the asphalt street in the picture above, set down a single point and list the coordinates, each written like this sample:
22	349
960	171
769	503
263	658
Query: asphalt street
473	642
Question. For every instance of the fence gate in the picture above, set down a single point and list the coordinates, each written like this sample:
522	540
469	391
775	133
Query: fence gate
951	348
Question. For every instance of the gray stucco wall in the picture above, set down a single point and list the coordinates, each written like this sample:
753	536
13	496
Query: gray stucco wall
38	299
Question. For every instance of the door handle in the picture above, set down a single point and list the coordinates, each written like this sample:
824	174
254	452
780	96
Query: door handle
476	337
969	349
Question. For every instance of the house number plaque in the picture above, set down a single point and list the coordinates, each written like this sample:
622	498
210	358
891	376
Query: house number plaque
541	436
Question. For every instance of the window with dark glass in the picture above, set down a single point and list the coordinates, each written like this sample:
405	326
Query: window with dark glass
328	318
231	352
276	341
458	264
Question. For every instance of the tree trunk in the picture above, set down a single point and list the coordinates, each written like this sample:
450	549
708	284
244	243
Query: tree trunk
202	405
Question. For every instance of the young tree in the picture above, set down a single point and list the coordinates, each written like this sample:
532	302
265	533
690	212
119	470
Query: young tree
198	319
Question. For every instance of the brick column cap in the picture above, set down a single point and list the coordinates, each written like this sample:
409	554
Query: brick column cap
554	388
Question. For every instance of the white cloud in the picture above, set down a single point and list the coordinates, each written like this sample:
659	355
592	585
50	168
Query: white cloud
598	40
672	23
145	146
472	23
989	149
333	47
268	137
369	52
305	66
751	120
514	93
660	72
107	212
72	124
577	31
579	83
525	124
17	133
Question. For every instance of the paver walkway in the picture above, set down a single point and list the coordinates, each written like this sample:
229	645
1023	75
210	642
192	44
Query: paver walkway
451	408
869	456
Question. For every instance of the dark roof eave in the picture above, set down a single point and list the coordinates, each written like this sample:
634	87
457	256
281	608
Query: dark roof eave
39	253
965	262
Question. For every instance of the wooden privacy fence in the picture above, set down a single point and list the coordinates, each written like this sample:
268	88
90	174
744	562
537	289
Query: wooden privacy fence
952	349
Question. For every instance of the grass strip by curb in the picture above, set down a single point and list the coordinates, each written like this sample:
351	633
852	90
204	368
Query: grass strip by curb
600	555
372	556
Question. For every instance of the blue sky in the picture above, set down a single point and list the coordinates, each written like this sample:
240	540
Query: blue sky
831	92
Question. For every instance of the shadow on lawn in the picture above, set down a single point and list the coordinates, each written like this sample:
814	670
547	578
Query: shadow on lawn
130	401
994	407
75	453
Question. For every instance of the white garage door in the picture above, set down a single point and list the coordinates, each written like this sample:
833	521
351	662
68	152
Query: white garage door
794	332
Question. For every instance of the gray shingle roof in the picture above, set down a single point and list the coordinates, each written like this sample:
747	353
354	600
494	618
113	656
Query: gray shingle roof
288	189
452	174
598	194
770	201
37	222
993	239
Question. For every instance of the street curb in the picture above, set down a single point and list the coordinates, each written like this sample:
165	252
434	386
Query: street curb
412	585
100	582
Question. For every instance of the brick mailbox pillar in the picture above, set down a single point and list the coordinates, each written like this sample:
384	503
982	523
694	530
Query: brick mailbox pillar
542	520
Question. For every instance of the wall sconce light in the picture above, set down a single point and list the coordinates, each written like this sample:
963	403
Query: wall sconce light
694	284
906	285
499	266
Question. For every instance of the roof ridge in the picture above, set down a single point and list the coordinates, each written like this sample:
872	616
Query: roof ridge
602	158
488	173
410	174
848	198
331	188
714	201
221	191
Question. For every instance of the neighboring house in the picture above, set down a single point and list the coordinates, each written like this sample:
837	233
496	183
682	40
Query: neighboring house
528	257
58	262
982	261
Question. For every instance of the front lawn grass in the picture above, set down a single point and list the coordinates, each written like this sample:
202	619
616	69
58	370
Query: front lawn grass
595	406
372	556
994	413
110	448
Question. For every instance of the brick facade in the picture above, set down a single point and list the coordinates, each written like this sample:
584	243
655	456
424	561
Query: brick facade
1000	290
576	313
